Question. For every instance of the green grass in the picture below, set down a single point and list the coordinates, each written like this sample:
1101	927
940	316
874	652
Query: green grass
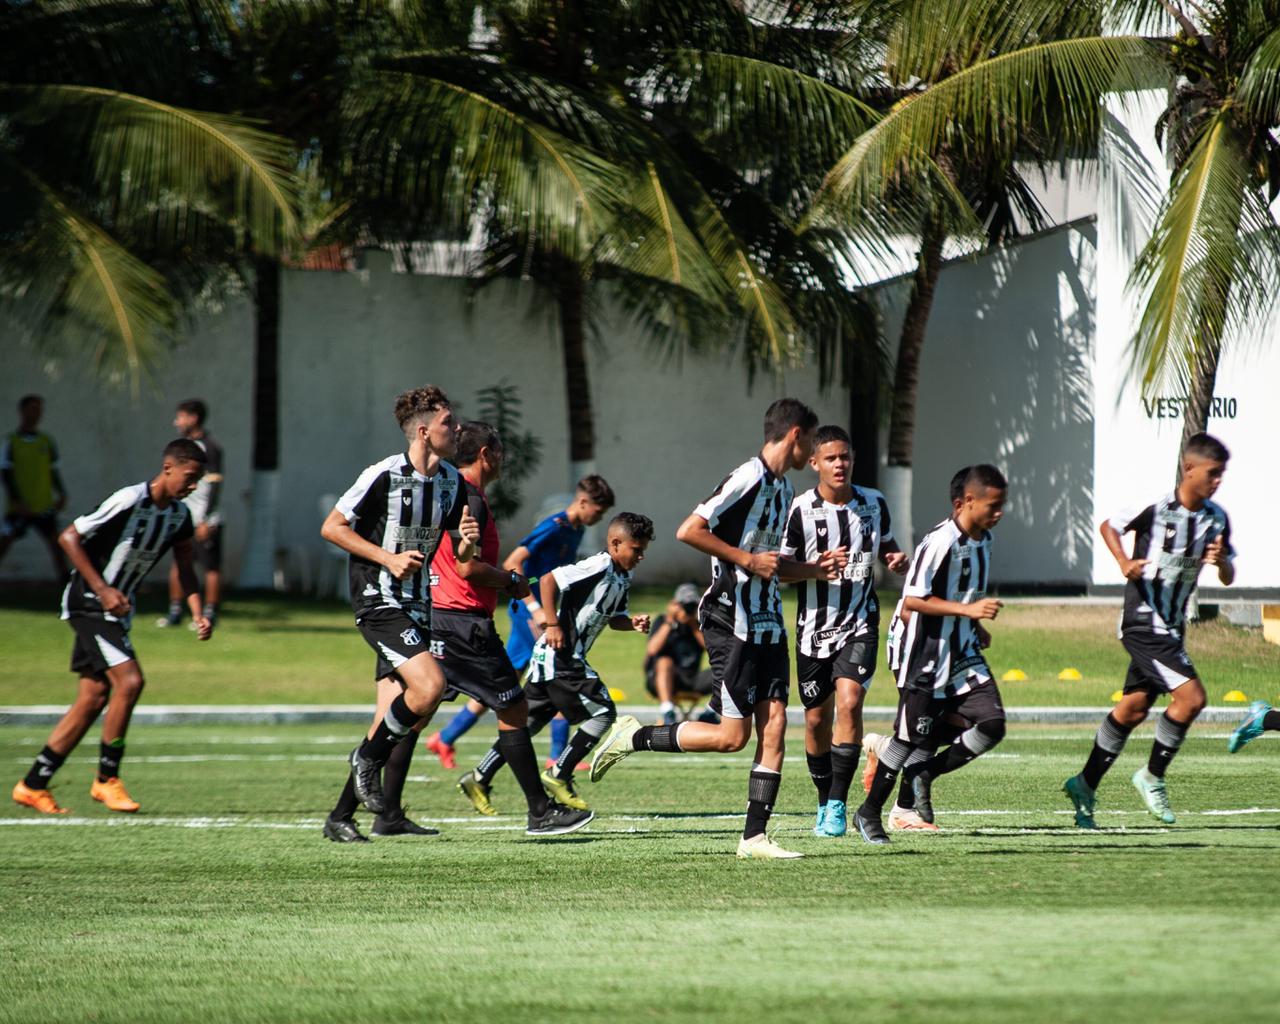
221	902
284	650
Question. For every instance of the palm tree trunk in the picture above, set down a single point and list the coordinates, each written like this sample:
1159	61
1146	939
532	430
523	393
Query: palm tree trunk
571	296
258	568
906	380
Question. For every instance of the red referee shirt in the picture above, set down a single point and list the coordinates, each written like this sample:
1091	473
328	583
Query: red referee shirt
449	591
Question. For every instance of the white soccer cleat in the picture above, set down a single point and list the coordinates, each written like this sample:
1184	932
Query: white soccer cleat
761	847
905	819
614	747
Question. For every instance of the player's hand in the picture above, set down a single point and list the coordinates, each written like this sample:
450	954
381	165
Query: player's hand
113	601
897	561
204	628
536	628
764	564
202	533
831	563
640	623
676	613
1132	568
984	637
406	563
554	637
1216	552
987	608
469	527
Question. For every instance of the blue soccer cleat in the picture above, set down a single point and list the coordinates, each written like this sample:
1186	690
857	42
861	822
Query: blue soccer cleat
835	822
817	823
1250	728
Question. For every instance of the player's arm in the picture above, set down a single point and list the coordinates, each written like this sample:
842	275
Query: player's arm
549	591
1113	531
626	623
1220	554
891	553
661	632
696	532
829	566
985	608
337	531
925	590
111	599
182	558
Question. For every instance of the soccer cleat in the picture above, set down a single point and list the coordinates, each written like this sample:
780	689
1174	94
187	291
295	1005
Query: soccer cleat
342	830
396	824
872	743
1082	799
113	794
817	824
1154	794
366	779
922	790
37	799
614	747
906	819
562	792
168	621
442	750
669	717
835	823
1250	727
761	847
708	716
870	829
477	792
557	821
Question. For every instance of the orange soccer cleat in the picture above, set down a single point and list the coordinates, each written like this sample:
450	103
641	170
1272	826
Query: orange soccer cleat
114	795
442	750
37	799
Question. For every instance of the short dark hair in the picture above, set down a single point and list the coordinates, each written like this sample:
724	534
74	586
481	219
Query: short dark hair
983	474
419	402
597	490
26	400
474	436
957	483
829	432
184	450
633	524
786	413
196	408
1205	446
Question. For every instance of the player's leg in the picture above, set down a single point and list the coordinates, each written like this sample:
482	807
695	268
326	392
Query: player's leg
393	820
915	715
547	817
1261	717
846	748
340	825
983	707
1186	700
817	754
126	684
33	790
441	743
211	557
764	782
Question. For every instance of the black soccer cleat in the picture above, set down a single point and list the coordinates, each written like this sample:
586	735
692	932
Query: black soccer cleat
343	830
871	829
557	820
922	790
366	779
396	824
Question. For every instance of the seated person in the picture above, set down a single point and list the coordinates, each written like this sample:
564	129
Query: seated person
674	653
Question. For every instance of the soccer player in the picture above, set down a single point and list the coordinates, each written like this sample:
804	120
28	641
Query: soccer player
1261	717
553	542
740	526
111	549
592	594
390	522
937	653
674	653
1174	537
466	642
837	617
189	419
34	493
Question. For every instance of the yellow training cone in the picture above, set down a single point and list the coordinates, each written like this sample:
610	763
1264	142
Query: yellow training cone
1070	675
1014	675
1115	697
617	695
1236	697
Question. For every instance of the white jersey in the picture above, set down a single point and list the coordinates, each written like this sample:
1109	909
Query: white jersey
592	592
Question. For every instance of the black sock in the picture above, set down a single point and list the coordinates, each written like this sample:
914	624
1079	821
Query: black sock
516	747
347	802
891	762
820	769
906	795
175	611
46	763
844	766
762	794
1169	737
395	725
656	737
1107	745
1271	720
955	756
578	747
109	757
492	763
395	773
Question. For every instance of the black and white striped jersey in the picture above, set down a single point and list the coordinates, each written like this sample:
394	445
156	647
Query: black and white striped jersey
942	652
394	506
831	613
748	510
1173	540
124	537
592	592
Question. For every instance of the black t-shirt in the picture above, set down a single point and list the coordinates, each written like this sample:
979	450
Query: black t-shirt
681	646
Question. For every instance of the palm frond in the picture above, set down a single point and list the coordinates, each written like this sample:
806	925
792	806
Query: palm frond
1259	89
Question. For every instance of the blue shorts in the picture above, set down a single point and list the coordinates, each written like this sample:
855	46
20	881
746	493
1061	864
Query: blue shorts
520	637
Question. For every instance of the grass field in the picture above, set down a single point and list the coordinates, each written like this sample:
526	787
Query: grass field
283	650
220	901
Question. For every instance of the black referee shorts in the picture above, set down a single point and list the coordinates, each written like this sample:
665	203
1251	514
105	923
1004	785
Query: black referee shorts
473	658
746	674
397	635
1158	663
856	660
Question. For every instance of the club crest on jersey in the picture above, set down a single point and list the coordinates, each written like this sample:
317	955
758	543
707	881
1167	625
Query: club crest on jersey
923	724
411	637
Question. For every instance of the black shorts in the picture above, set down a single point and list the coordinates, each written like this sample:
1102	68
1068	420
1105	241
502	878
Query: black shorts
100	644
1158	663
396	635
745	674
856	660
209	552
473	658
919	711
576	695
14	525
688	680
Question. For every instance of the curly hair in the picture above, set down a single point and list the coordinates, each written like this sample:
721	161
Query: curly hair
419	402
633	524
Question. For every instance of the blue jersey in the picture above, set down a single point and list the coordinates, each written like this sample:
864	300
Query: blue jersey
552	543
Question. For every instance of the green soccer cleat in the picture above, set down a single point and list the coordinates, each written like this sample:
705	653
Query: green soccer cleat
614	747
1154	794
1250	728
563	792
1082	799
477	792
